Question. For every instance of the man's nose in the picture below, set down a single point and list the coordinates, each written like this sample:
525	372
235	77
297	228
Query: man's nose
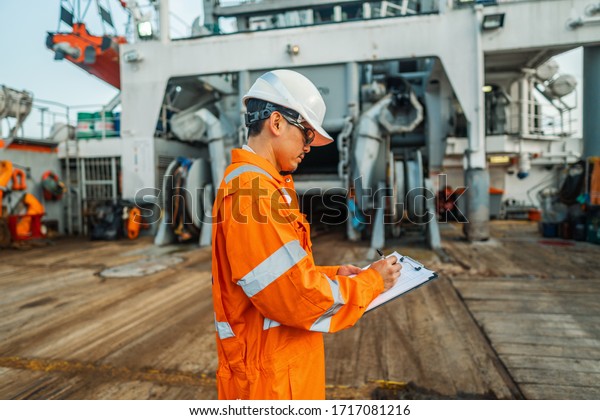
307	148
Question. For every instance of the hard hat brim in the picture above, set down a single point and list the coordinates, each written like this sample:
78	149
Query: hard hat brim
322	138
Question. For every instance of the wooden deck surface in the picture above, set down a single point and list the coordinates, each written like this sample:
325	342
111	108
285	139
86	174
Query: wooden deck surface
538	302
509	318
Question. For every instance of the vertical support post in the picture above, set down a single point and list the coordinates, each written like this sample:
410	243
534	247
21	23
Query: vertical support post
42	122
78	164
216	151
477	178
591	99
113	177
524	108
445	5
366	10
378	233
434	132
243	87
206	232
433	230
345	146
163	14
208	9
82	193
68	179
352	90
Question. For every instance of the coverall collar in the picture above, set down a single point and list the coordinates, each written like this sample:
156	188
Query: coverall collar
244	156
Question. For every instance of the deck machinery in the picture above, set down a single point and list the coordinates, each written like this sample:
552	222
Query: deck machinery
419	93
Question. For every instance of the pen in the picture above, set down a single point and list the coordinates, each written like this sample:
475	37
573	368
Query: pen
380	253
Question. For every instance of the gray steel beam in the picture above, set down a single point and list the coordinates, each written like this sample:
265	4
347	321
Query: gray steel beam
477	178
591	99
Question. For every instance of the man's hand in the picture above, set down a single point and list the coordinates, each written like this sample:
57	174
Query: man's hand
389	270
348	270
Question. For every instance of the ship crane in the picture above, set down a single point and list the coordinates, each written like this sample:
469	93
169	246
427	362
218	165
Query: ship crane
98	55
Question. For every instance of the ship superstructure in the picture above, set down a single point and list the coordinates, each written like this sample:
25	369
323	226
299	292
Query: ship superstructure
420	95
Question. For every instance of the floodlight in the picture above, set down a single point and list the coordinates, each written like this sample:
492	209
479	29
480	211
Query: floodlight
144	30
500	159
494	21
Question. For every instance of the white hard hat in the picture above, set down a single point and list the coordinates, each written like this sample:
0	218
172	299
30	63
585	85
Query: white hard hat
292	90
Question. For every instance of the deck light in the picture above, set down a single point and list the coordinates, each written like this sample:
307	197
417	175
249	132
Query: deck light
493	21
293	49
144	30
500	159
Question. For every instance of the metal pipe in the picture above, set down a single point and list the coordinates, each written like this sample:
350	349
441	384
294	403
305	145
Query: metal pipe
113	167
165	36
79	209
68	180
580	21
476	139
369	136
215	135
524	129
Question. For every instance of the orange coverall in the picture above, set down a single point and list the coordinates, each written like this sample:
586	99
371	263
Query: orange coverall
34	207
271	302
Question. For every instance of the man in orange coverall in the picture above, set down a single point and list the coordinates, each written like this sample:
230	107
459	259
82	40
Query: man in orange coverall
271	302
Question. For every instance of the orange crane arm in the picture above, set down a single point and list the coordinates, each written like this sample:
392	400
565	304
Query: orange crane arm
98	55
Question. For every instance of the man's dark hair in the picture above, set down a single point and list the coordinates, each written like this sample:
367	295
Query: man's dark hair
255	105
257	111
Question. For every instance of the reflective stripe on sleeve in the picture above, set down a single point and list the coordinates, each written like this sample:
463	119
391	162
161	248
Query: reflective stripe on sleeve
323	323
272	267
223	329
269	323
243	169
286	195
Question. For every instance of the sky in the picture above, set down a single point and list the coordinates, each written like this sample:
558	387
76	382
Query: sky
28	65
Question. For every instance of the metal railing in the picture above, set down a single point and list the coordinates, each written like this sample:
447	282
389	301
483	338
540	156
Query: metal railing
541	121
55	121
311	13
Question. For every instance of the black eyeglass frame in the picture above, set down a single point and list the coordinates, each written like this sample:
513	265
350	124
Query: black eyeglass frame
307	132
292	117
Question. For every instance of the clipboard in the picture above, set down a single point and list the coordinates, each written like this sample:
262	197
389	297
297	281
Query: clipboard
413	275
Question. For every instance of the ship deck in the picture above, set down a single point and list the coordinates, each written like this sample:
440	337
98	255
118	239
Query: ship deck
514	317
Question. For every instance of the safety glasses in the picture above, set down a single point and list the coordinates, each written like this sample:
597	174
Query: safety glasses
307	132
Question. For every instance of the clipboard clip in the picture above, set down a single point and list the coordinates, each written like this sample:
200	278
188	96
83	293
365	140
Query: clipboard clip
411	262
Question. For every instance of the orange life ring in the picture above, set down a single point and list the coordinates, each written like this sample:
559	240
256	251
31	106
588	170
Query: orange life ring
18	180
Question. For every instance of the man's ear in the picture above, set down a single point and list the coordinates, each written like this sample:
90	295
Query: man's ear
275	123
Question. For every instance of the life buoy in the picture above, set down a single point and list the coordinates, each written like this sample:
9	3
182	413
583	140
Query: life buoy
18	180
52	186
